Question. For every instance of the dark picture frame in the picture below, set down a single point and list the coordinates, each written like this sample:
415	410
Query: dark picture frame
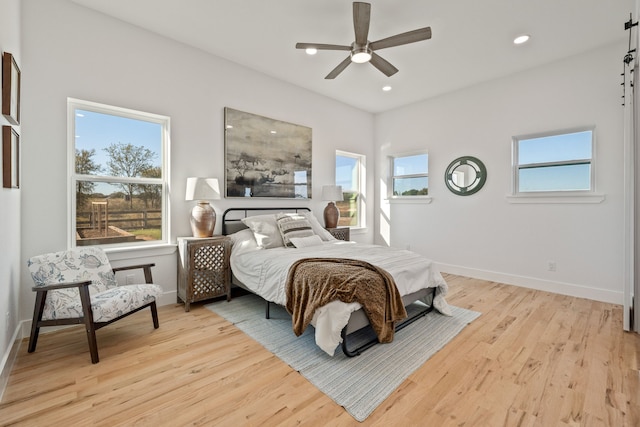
265	157
10	88
10	158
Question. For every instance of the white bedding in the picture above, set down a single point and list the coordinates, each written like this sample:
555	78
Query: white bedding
264	272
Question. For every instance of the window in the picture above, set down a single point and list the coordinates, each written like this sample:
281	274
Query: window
410	175
118	175
554	162
350	174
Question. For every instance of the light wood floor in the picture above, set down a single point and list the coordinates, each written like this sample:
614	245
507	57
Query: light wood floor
532	359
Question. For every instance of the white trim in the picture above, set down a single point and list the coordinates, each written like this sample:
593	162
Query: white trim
392	176
409	200
9	357
515	166
362	185
557	198
72	177
570	289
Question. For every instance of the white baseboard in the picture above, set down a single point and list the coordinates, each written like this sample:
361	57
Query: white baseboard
562	288
9	358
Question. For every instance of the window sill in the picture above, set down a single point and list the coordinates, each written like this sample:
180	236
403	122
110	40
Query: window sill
557	198
409	200
358	230
121	253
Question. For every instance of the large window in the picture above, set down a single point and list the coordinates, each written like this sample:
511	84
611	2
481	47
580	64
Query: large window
410	175
350	174
118	174
554	162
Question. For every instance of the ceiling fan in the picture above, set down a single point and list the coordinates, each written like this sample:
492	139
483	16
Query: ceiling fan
362	50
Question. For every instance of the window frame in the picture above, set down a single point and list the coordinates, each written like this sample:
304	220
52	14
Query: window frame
392	177
554	196
165	122
362	185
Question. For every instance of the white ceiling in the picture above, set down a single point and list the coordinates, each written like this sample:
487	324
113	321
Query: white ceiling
471	43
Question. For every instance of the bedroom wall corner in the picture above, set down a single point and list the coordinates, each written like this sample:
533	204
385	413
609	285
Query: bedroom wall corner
10	218
484	232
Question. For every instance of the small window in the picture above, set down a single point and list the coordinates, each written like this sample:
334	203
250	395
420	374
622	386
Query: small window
410	176
554	162
118	170
350	170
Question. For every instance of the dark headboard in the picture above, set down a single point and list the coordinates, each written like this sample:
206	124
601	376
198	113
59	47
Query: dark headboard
232	217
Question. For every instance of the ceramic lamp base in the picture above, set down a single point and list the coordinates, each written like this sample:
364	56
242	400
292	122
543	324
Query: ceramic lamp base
203	219
331	215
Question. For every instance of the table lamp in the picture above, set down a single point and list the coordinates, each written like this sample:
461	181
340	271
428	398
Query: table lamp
331	194
203	217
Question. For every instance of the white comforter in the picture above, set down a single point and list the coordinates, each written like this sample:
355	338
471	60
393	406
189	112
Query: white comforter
264	272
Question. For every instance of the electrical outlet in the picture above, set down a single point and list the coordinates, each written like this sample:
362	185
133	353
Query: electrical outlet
551	266
130	279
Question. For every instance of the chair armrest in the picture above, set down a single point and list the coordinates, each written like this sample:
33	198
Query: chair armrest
145	267
62	285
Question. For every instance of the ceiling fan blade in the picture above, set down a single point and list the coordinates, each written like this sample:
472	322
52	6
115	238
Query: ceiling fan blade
404	38
321	46
361	19
383	65
340	68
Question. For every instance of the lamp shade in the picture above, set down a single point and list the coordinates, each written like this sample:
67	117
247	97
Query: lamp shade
202	189
332	193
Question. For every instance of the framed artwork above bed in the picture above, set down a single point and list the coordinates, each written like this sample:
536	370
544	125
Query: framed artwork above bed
266	157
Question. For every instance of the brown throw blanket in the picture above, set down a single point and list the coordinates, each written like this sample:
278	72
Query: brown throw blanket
314	282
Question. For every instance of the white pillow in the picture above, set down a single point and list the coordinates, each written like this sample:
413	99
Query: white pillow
243	241
265	230
317	227
304	242
293	225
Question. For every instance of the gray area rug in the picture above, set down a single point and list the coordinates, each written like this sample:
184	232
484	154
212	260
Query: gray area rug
361	383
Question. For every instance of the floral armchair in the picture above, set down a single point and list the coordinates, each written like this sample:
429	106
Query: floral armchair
79	286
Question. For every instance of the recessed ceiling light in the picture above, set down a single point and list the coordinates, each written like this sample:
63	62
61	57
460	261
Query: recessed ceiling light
273	132
386	88
521	39
311	50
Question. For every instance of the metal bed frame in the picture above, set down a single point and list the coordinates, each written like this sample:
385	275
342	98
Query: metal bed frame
232	222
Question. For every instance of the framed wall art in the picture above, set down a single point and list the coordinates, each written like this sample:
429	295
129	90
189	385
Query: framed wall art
10	158
266	157
10	89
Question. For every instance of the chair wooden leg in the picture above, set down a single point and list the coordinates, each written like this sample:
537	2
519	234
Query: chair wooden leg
154	315
89	325
38	309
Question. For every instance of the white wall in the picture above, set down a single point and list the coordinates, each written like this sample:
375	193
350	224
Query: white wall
71	51
485	236
9	213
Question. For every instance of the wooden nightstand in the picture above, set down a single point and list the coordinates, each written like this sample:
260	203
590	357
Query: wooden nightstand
341	233
203	268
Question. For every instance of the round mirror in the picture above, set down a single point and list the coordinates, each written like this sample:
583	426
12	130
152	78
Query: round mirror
465	175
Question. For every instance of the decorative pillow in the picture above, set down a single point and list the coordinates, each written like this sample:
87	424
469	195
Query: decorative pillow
293	225
317	227
304	242
265	230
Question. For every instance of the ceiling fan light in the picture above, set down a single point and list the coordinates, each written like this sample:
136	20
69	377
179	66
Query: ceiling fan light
361	55
311	50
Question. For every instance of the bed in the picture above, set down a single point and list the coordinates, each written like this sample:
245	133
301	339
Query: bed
263	252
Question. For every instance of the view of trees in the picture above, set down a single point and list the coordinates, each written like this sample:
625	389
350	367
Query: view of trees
125	160
130	161
85	165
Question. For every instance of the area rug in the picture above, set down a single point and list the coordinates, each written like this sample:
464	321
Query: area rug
361	383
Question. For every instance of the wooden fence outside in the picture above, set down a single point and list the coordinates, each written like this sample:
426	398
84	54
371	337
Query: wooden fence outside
125	220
